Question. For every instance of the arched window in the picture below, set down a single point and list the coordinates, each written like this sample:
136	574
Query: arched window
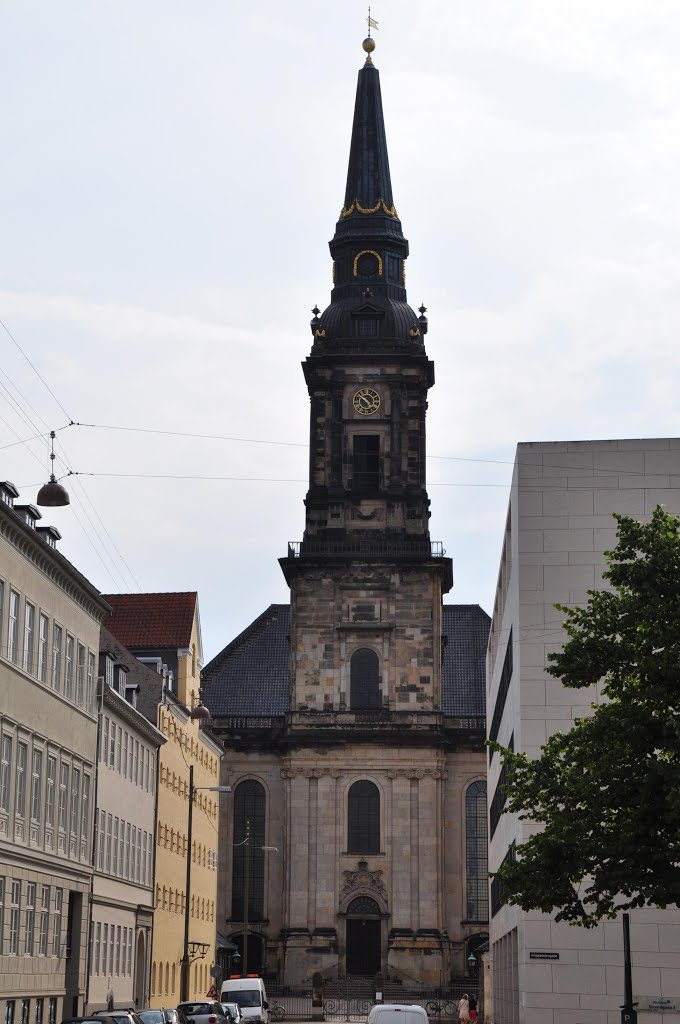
153	979
476	858
174	979
363	818
364	679
249	807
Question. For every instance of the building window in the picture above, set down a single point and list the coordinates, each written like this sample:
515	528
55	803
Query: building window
44	919
68	667
51	783
25	1010
365	462
39	1004
30	918
105	948
115	846
43	626
36	786
15	900
503	687
52	1011
85	812
363	818
109	837
75	804
97	947
364	685
476	860
118	937
63	798
80	676
90	681
105	742
249	810
58	910
2	912
57	641
112	746
22	757
13	627
5	771
29	637
9	1011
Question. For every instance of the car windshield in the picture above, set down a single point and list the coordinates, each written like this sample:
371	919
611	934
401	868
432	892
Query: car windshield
231	1008
246	996
152	1016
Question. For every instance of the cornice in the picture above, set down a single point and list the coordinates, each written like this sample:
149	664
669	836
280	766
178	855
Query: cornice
391	773
132	716
52	564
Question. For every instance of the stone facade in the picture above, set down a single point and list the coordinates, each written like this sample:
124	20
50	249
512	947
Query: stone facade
559	525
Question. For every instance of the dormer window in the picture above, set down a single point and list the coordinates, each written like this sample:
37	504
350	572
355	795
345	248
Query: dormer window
367	328
122	679
108	670
29	513
8	492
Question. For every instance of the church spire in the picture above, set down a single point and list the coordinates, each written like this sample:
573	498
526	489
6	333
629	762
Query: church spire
368	174
368	309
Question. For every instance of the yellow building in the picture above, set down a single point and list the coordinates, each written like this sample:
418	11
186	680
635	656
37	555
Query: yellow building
163	631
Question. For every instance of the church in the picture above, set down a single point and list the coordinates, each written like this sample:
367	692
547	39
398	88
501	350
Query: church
355	839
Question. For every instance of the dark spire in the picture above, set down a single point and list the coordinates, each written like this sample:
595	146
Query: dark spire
368	174
368	308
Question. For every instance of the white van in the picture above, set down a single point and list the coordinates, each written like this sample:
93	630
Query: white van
250	995
397	1013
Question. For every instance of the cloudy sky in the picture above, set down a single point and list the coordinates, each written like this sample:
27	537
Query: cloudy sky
170	175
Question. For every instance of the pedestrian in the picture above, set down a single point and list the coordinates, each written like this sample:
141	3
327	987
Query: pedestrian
473	1007
464	1009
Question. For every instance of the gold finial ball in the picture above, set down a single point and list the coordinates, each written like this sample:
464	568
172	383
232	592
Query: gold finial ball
368	45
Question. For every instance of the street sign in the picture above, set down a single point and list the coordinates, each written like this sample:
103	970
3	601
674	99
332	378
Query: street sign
628	1016
216	972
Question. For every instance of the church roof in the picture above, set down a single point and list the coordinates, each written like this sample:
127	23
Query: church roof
251	675
464	670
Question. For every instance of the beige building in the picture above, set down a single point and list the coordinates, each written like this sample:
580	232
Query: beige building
559	525
49	630
163	631
122	906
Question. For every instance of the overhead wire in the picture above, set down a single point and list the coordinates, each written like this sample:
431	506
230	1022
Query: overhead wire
38	435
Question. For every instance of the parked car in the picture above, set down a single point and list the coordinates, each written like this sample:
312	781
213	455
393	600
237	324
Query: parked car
162	1016
204	1011
233	1010
397	1013
118	1016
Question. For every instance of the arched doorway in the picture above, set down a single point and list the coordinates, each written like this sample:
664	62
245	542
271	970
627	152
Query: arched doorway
140	972
363	940
255	952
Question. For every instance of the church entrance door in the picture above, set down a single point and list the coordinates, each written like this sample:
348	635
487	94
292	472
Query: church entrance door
363	937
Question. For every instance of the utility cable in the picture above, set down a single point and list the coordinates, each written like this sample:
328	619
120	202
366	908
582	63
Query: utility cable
35	370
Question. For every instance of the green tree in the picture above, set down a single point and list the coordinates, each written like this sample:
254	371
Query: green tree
608	791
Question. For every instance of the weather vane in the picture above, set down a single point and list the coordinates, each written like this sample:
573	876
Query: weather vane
372	23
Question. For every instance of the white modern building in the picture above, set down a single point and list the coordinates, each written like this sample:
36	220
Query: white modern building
559	524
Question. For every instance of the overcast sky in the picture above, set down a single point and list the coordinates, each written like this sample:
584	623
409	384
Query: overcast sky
171	173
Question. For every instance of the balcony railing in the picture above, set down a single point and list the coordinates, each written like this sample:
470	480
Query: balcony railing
366	548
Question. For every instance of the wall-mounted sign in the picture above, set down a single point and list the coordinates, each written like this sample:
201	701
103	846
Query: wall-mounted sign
544	956
657	1004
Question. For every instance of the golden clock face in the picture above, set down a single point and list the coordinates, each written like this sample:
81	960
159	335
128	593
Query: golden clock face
366	401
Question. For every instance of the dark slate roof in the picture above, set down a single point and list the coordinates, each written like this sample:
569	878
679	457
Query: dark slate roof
162	620
464	670
251	675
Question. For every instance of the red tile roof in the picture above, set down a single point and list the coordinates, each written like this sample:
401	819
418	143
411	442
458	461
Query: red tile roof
152	620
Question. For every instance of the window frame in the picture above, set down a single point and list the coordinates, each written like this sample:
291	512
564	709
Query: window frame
364	825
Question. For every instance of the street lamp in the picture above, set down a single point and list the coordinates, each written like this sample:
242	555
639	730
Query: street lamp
186	955
246	889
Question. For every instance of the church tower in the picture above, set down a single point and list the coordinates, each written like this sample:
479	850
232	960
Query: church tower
353	719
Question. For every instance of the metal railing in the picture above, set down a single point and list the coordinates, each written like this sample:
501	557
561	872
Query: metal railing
366	548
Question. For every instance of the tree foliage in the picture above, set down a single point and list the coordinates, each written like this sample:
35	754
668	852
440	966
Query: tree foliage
608	791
